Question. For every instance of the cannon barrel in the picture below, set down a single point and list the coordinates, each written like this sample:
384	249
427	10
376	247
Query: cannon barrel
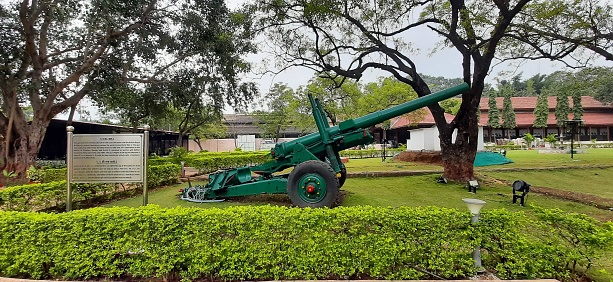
372	119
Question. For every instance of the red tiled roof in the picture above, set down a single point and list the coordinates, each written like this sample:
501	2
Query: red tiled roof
529	103
527	119
428	120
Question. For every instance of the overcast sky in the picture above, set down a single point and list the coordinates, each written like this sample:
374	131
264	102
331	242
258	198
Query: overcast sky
446	63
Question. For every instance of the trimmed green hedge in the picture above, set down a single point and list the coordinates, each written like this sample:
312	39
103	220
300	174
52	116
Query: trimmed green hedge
41	196
553	244
237	243
506	147
370	153
210	162
273	243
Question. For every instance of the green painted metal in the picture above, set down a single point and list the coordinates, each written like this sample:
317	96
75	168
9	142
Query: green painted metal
324	145
312	188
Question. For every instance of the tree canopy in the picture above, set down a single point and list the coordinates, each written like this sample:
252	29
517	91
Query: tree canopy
121	53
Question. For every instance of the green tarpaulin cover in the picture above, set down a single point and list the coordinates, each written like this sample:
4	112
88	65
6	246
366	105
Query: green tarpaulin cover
490	158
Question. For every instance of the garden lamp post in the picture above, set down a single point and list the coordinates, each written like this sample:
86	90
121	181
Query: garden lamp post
572	127
475	205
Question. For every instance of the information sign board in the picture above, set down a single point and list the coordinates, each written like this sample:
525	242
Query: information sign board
107	158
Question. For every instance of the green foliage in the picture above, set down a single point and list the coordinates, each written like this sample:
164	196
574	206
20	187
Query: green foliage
518	248
583	238
493	119
577	109
52	191
452	106
177	154
508	113
237	243
8	174
278	115
551	139
528	138
562	108
541	111
371	153
46	175
280	243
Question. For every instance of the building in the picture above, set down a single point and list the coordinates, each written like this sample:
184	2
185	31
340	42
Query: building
55	142
597	117
242	124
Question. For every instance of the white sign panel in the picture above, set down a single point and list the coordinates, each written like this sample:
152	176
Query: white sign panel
107	158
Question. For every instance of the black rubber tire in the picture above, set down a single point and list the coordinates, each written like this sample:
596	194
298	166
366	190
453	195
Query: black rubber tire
341	180
326	172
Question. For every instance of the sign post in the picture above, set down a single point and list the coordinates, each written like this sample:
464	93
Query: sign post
145	188
69	130
106	158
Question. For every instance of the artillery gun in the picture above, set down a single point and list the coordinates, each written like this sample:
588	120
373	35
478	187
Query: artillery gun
318	170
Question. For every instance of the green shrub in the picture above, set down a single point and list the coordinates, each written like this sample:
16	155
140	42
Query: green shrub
584	238
505	147
551	246
371	153
46	195
209	162
237	243
46	175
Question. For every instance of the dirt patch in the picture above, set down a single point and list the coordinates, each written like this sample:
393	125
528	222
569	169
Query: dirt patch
586	199
592	200
420	157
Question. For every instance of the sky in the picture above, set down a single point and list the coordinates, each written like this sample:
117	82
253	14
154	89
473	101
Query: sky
446	63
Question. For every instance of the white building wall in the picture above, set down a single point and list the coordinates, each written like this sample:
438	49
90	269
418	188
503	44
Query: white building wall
416	140
427	139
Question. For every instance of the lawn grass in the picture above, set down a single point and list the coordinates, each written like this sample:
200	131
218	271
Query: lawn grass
595	181
375	164
389	191
533	159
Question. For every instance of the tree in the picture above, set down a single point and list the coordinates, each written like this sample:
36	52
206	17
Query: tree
438	83
541	111
508	113
493	119
452	106
577	109
562	108
559	29
49	52
386	93
277	117
54	53
347	38
211	130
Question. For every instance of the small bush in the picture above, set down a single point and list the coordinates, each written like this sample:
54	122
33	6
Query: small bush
52	191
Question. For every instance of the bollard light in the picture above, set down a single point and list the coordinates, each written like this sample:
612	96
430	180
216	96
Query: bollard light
472	186
475	205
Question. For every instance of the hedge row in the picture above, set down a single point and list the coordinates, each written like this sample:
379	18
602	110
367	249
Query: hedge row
370	153
52	192
210	162
273	243
238	243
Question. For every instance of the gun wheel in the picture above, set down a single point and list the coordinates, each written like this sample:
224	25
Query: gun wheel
313	184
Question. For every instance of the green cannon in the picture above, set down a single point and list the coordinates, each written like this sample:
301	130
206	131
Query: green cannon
318	172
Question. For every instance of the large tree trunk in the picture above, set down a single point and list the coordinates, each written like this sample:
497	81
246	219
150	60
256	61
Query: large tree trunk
25	144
